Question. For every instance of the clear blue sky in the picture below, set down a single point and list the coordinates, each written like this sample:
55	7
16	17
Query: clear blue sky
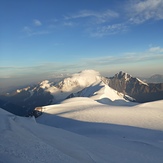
48	37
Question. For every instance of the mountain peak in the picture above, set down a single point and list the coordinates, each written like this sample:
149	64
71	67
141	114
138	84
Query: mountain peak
83	79
45	84
122	74
157	78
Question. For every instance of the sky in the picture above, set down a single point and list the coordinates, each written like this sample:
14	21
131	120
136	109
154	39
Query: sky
50	38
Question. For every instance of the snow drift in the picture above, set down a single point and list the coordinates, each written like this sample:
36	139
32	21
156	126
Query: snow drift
83	130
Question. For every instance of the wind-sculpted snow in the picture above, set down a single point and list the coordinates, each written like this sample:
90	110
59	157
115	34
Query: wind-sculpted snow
100	92
148	115
137	129
83	130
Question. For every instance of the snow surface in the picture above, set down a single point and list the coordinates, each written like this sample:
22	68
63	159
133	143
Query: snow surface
45	84
136	131
148	115
142	82
83	130
24	89
102	93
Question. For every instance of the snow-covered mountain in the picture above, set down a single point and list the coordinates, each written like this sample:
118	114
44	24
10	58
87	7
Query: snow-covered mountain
47	92
28	98
102	93
136	88
87	83
71	84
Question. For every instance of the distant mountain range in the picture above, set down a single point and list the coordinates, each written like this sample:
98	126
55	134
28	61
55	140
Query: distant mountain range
89	83
157	78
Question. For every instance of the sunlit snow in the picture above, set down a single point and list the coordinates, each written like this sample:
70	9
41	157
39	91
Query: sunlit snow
83	130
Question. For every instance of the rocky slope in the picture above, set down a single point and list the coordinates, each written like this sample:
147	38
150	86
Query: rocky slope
134	87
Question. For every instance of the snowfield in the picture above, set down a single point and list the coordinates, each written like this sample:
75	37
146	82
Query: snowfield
148	115
83	130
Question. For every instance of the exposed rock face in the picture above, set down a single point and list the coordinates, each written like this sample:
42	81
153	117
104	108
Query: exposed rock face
134	87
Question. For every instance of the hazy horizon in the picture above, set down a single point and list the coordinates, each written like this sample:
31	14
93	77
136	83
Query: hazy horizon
7	84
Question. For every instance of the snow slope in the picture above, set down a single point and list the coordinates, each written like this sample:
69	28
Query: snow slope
83	130
102	93
136	130
91	136
73	84
23	140
148	115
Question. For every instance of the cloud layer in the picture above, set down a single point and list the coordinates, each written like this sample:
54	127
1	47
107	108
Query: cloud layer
37	22
145	10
